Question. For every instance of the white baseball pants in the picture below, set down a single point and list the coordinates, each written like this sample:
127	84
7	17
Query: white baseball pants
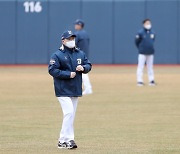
149	60
86	81
68	105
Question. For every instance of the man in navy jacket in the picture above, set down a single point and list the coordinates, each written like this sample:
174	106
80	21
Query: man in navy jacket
145	43
66	67
82	42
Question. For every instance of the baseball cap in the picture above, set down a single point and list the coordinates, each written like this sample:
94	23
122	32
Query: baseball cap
67	34
79	22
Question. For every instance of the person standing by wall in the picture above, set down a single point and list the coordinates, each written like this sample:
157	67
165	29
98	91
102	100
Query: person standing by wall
82	42
66	67
144	41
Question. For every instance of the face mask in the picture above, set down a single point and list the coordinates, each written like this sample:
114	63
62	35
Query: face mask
70	44
147	27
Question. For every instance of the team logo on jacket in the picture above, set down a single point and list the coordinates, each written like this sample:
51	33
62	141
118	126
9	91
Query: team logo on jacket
152	36
79	61
52	61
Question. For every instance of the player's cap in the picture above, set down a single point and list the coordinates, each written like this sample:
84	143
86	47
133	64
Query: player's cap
79	22
67	34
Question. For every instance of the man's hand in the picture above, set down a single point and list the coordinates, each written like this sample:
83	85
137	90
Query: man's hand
73	74
79	68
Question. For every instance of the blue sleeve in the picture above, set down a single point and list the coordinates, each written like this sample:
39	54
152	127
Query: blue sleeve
154	35
86	65
54	69
76	38
138	39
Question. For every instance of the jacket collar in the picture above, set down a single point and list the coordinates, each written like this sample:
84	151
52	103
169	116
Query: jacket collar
147	30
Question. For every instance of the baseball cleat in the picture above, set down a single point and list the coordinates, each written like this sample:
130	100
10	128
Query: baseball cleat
140	84
62	145
71	145
152	83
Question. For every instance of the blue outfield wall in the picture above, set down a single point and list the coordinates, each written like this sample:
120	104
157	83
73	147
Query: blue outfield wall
30	30
8	32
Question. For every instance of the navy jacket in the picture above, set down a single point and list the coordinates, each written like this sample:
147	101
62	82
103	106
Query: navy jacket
62	63
145	41
82	41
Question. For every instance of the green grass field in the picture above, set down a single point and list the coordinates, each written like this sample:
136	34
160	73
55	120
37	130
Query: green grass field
119	118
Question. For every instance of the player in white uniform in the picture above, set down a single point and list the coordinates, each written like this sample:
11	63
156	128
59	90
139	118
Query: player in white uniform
145	43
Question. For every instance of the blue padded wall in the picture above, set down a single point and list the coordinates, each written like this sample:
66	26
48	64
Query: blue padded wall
164	18
127	21
98	16
7	32
32	36
178	27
